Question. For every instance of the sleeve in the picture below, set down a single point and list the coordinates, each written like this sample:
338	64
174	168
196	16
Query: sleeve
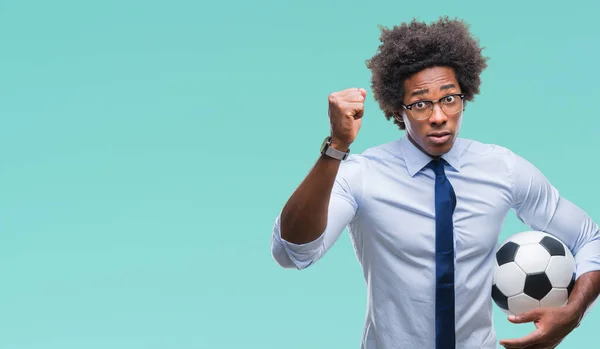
343	207
539	205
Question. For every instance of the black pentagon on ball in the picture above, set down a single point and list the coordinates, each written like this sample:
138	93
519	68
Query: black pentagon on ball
537	286
507	253
554	247
499	297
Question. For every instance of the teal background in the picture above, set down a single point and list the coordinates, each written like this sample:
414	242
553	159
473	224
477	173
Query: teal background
147	147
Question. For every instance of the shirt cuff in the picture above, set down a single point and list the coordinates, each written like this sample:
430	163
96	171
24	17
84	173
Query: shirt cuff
588	258
301	255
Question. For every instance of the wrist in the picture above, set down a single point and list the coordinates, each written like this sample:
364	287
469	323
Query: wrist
575	311
339	145
335	150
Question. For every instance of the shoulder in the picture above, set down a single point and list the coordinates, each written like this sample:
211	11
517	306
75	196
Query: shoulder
488	159
480	149
480	152
494	158
358	164
374	154
382	152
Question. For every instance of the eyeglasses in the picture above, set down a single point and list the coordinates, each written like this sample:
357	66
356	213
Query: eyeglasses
450	104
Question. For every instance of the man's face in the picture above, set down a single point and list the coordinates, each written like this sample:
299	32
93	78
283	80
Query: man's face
434	135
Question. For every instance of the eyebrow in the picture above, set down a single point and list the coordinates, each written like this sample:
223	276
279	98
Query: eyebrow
425	90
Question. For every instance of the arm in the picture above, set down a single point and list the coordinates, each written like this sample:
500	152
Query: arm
584	294
304	216
538	204
577	230
316	214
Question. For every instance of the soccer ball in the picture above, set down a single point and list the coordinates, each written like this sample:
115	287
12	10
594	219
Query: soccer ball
532	270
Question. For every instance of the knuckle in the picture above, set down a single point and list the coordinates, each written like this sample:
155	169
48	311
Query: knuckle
332	98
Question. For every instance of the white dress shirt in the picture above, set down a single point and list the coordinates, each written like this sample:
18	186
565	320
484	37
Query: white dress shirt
385	196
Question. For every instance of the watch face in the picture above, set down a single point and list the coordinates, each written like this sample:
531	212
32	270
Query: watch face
324	143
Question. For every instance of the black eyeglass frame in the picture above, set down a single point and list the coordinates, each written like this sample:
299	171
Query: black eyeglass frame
410	106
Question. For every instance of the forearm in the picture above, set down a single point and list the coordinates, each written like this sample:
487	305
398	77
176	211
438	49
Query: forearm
585	292
304	216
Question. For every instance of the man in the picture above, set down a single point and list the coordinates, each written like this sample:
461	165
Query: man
424	212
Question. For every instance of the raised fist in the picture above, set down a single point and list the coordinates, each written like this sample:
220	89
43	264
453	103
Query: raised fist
346	110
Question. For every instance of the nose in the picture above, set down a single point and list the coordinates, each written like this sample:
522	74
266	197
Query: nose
438	117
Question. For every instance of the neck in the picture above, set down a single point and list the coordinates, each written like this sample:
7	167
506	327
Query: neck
420	148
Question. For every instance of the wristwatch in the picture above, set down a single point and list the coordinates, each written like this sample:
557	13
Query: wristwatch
326	149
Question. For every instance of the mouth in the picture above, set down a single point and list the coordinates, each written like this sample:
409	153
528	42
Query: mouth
439	137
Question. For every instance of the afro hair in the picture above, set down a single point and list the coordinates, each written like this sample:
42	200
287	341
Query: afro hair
411	47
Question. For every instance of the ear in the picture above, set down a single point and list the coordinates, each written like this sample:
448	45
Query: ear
398	117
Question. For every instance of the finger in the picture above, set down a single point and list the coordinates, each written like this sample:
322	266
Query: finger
524	342
355	94
539	346
353	109
350	91
525	317
352	106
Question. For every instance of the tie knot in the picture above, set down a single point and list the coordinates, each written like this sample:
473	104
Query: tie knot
437	165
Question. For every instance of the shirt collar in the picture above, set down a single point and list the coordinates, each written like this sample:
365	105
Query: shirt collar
416	160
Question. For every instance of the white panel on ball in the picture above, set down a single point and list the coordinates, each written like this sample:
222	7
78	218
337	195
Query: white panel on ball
556	298
522	303
532	258
527	237
510	279
560	270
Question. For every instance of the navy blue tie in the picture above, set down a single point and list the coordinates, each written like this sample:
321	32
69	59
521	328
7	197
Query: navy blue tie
445	202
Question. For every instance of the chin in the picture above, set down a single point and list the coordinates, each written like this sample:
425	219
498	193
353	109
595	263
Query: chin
439	149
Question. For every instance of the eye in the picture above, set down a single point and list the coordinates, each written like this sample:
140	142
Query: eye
449	99
420	105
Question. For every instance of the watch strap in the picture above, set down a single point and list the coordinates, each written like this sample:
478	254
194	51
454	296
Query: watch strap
334	153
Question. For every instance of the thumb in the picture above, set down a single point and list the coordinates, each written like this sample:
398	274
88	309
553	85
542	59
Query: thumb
363	92
528	316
